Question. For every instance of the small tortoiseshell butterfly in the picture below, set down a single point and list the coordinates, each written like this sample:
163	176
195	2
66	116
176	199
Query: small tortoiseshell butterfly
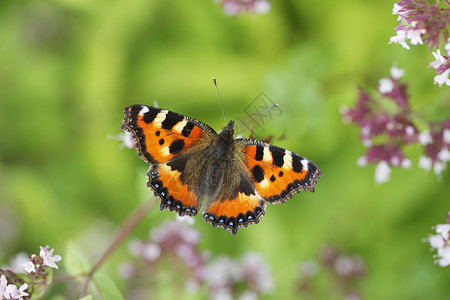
190	162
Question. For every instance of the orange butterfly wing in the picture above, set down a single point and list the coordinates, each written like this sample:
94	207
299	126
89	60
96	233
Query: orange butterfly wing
162	139
268	174
278	173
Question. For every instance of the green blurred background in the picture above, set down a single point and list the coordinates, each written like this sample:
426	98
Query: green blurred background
68	67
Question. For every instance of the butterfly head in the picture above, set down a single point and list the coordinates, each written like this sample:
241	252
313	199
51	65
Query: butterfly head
228	131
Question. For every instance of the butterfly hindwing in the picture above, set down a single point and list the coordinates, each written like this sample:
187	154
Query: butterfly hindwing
162	135
278	173
233	210
174	195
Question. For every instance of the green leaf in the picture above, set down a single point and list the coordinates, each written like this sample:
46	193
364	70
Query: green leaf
75	262
108	289
88	297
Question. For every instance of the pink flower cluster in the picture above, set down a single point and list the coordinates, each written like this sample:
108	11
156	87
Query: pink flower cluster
424	22
442	66
387	126
436	143
441	243
222	277
16	285
238	7
13	288
342	271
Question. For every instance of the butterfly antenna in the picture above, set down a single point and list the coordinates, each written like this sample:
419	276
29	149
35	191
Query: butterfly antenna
251	118
220	100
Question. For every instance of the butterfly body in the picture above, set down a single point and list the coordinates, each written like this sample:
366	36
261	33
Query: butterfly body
190	163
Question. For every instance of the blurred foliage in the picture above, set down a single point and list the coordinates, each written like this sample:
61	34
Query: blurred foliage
68	67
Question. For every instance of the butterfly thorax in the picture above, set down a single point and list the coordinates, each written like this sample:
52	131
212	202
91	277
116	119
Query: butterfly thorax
208	171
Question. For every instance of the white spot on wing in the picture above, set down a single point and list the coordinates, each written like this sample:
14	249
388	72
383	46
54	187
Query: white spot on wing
267	156
165	151
178	128
160	117
264	183
287	159
305	164
144	110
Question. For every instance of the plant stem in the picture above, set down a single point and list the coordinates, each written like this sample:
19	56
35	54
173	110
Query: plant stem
126	227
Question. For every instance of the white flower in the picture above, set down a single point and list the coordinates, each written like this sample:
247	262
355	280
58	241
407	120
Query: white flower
396	11
406	163
12	292
151	251
49	258
185	219
409	130
395	161
415	36
400	38
362	161
382	172
442	78
439	59
425	138
17	263
444	256
425	163
29	267
126	138
444	155
447	47
3	285
386	85
439	166
446	135
443	230
248	295
397	73
440	242
436	241
262	7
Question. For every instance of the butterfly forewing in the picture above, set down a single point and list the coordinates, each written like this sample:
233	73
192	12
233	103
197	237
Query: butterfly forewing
276	172
162	135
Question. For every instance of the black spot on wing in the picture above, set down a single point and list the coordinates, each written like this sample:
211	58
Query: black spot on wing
259	153
187	129
150	115
171	120
258	173
277	155
296	163
176	146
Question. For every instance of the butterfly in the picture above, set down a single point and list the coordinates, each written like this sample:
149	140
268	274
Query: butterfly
190	164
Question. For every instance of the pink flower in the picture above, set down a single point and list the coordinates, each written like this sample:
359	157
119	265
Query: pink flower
421	22
441	243
237	7
48	257
12	292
